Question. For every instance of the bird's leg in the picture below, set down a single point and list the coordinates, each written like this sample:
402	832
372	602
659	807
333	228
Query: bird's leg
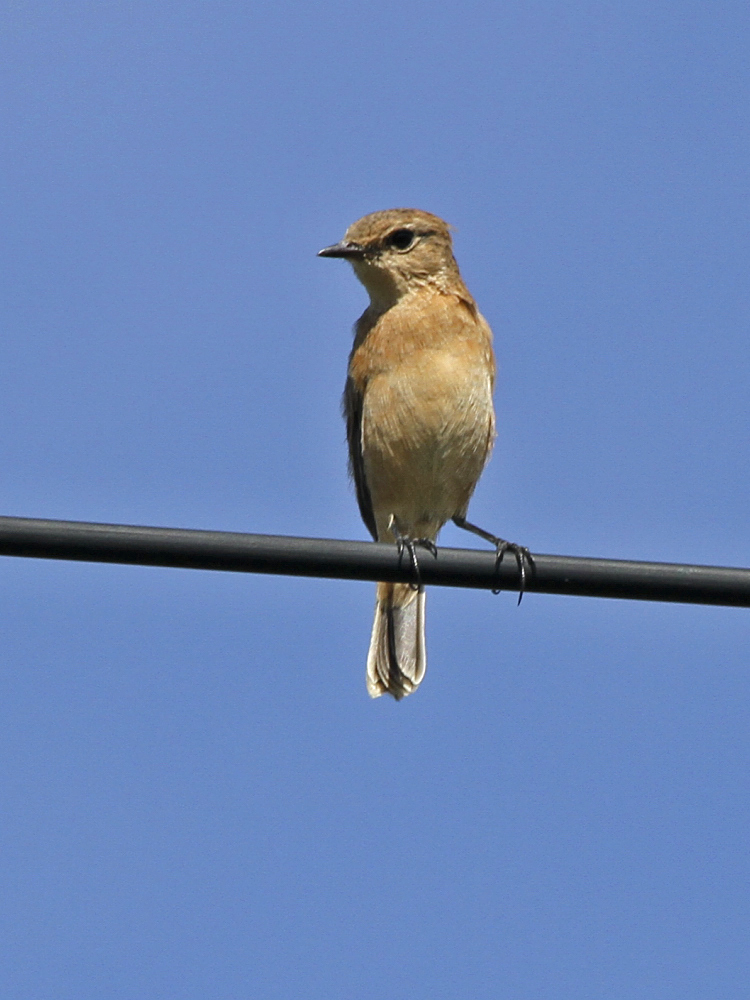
411	544
520	552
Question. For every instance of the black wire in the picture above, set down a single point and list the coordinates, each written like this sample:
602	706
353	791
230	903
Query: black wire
280	554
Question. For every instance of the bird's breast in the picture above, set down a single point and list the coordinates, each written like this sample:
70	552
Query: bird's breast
427	428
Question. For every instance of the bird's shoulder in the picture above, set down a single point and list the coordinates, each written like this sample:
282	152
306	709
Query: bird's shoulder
419	322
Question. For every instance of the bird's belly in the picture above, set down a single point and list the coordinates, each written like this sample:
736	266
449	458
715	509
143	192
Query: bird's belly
427	429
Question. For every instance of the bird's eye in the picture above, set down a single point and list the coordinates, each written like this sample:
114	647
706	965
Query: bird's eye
401	239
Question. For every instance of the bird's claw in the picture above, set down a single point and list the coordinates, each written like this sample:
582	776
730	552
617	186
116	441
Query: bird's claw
521	554
411	545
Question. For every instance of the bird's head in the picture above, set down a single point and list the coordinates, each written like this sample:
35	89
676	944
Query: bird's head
398	251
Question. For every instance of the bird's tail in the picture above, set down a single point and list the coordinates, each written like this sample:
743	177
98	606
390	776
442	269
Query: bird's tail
397	660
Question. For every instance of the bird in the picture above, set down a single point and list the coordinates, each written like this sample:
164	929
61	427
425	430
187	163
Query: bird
420	420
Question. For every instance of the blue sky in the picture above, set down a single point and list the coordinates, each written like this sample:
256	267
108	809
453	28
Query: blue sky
199	797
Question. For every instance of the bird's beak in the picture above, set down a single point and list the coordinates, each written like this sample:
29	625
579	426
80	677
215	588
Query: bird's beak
349	251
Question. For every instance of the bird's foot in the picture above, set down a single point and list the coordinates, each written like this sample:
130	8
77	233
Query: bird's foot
404	542
520	552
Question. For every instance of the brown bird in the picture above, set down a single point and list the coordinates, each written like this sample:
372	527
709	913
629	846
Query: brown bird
419	415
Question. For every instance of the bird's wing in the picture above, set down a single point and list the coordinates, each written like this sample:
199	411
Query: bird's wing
352	403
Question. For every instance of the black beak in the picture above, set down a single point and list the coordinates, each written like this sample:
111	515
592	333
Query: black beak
349	251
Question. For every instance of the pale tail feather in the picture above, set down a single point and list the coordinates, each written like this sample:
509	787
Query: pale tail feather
397	660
